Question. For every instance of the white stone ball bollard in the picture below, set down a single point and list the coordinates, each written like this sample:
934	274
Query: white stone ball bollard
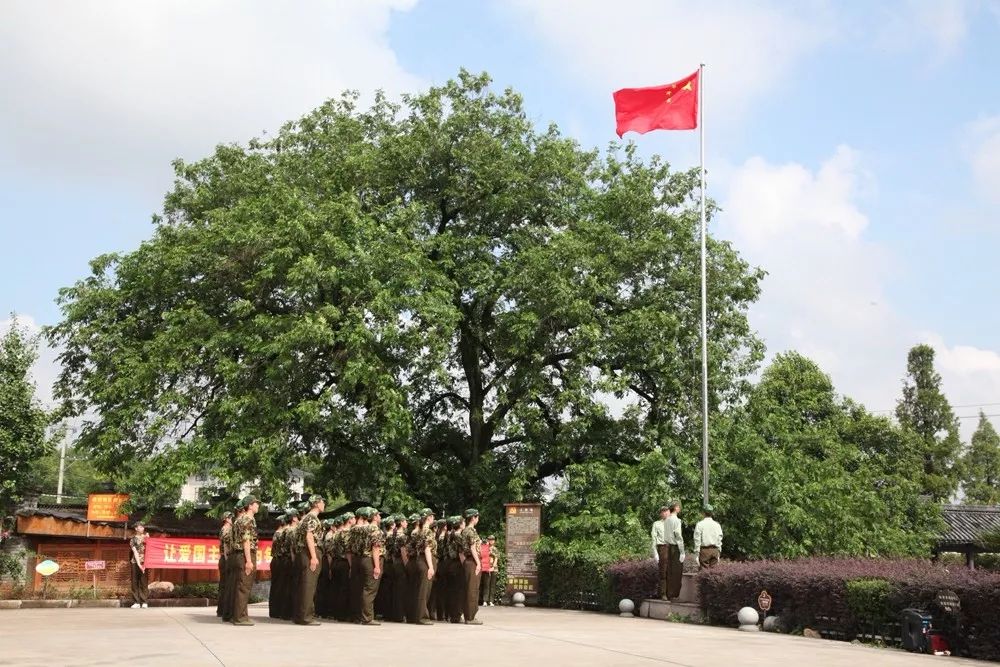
626	607
518	599
748	618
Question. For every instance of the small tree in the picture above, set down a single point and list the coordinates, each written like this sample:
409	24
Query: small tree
22	419
981	465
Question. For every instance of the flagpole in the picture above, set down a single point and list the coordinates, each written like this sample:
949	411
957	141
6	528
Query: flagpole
704	294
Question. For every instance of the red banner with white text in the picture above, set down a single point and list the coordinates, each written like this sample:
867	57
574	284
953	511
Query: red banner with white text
194	553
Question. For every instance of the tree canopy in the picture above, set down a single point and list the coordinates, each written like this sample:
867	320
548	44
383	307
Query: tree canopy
23	421
980	465
925	413
432	298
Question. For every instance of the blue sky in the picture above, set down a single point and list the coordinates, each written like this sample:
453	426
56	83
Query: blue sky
855	151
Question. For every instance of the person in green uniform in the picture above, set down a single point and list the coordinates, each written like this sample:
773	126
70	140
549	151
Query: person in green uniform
471	566
658	542
340	581
245	534
708	540
277	568
675	551
308	534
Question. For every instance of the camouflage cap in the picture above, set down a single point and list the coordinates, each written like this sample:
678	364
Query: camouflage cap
708	508
315	499
365	512
247	501
454	521
292	513
387	521
440	522
469	513
413	518
282	520
426	512
338	520
227	515
347	516
303	506
328	522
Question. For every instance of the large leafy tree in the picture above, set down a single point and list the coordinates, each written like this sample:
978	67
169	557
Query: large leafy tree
804	471
925	413
23	421
433	298
980	465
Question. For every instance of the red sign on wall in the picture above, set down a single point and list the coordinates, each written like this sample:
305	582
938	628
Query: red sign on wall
194	553
94	565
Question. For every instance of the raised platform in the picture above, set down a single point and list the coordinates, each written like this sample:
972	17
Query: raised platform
667	611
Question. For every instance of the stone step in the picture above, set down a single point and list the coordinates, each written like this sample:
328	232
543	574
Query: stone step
663	610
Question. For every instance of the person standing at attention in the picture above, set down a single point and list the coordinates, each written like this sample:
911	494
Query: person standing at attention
675	552
708	540
658	539
137	557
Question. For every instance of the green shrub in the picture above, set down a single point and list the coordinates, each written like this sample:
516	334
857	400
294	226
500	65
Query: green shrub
868	600
208	590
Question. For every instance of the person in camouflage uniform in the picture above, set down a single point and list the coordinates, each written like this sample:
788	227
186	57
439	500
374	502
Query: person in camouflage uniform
470	550
137	558
454	578
232	574
435	602
295	573
323	603
366	554
289	576
421	568
397	557
277	568
224	530
340	581
245	557
355	539
308	535
382	599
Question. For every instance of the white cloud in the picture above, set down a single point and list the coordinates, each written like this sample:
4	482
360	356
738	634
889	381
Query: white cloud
748	47
116	89
984	157
825	294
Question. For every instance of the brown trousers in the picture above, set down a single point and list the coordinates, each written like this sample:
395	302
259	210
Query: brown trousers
242	585
305	608
487	586
140	584
454	588
420	589
675	571
369	587
340	589
661	583
708	557
471	590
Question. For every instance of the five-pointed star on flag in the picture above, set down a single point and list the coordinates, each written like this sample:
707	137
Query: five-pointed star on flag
670	93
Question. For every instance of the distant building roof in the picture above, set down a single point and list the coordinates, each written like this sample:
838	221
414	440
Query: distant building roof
968	524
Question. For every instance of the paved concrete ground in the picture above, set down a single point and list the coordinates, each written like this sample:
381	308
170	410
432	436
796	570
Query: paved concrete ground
181	637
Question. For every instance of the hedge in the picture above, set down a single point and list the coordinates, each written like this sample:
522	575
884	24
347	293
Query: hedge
850	598
577	581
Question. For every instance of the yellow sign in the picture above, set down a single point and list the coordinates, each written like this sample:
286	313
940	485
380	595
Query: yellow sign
106	507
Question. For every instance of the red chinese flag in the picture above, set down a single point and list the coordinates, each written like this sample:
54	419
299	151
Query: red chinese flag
670	107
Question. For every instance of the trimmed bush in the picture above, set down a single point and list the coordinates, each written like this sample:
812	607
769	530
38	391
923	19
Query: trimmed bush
573	581
632	579
842	597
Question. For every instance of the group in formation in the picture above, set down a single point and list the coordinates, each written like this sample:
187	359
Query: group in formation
358	566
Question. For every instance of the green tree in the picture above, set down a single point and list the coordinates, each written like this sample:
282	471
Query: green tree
80	475
802	471
925	412
22	420
981	465
402	292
